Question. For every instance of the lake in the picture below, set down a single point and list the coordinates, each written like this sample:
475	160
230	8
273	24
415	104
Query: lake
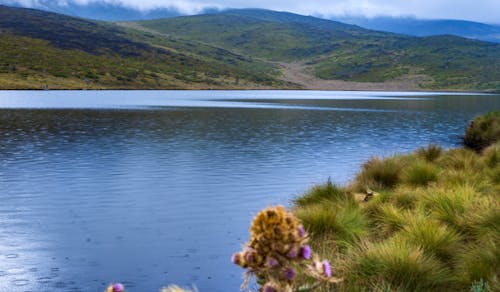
152	188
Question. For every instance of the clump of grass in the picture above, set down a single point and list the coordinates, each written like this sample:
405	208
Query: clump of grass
461	159
346	222
448	206
430	153
388	219
420	174
492	155
379	174
434	238
483	131
482	217
480	262
406	197
324	192
399	264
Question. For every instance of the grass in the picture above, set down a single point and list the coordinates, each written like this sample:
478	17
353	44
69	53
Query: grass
433	223
399	263
420	174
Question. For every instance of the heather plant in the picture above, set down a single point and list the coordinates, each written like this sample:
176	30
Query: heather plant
277	254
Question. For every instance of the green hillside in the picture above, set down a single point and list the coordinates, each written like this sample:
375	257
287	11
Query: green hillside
332	50
248	48
39	49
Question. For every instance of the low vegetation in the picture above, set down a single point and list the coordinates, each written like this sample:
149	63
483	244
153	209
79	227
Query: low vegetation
429	220
483	131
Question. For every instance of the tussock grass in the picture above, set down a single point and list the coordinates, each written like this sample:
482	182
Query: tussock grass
449	206
325	192
420	174
345	222
379	173
432	225
480	262
434	238
400	264
430	153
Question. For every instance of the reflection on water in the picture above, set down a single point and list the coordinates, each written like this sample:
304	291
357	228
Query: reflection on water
152	188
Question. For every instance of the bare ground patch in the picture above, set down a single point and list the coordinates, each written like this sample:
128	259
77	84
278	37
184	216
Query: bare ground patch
301	74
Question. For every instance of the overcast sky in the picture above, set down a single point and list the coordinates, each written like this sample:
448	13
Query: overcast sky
478	10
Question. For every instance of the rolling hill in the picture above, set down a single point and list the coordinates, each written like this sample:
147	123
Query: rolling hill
247	48
331	50
39	49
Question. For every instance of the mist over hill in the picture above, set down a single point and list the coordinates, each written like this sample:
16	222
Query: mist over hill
429	27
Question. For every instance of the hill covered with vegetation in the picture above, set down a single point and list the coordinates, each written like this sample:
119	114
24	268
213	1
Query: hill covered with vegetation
40	49
333	50
248	48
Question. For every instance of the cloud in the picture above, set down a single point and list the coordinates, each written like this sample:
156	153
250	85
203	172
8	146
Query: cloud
479	10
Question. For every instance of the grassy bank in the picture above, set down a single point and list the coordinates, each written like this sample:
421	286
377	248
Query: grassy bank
429	220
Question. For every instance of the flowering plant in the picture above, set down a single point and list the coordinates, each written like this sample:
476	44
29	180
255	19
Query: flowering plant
278	251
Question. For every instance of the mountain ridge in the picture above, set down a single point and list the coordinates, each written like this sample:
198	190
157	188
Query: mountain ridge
236	49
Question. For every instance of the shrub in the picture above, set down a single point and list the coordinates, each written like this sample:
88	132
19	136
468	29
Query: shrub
483	131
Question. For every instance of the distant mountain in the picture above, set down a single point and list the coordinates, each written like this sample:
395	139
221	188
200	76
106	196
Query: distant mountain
420	27
248	48
332	50
116	11
39	48
277	36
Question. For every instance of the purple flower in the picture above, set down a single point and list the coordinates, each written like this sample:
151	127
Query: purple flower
272	262
269	288
305	251
118	287
302	231
327	270
290	273
293	253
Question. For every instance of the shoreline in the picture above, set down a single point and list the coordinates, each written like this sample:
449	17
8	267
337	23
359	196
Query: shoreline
437	91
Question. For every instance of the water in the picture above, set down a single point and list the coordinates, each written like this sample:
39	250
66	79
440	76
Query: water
159	187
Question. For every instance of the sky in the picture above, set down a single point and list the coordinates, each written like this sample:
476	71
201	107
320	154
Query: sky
476	10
